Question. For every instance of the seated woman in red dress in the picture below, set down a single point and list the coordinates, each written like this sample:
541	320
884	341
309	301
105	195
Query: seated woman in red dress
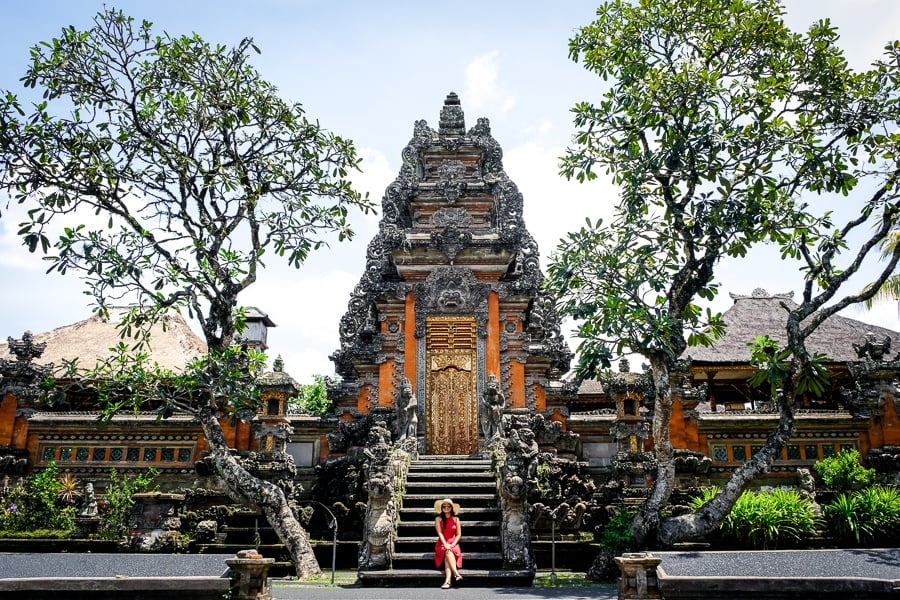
449	530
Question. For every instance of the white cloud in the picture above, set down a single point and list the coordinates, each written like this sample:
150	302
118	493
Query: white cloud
484	92
554	206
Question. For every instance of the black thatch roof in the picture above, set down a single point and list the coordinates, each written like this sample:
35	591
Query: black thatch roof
762	314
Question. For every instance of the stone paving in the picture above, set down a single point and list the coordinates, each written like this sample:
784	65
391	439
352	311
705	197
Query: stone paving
14	565
861	562
765	566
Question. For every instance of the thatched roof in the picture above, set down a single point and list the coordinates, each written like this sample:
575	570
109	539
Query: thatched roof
172	346
762	314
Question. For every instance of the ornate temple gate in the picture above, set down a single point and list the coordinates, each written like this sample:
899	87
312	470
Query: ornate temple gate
451	406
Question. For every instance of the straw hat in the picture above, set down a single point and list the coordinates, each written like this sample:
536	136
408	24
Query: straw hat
437	506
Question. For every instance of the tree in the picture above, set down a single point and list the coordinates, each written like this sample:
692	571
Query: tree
723	129
195	170
890	290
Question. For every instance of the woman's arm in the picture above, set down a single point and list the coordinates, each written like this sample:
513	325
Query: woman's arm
437	527
458	532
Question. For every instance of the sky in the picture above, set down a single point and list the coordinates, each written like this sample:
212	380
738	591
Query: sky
367	71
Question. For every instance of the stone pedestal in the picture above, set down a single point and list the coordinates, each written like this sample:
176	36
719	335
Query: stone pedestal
86	526
638	580
250	575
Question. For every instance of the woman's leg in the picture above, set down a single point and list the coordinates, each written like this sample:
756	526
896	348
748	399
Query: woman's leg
449	560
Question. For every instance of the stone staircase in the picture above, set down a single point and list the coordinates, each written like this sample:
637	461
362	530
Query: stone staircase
467	481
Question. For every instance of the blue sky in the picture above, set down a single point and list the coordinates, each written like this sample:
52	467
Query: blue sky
368	70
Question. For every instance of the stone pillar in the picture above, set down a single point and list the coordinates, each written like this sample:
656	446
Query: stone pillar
638	580
250	575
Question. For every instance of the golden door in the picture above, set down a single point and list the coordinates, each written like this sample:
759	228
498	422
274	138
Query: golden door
451	408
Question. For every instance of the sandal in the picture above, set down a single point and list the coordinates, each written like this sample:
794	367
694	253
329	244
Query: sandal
446	586
458	578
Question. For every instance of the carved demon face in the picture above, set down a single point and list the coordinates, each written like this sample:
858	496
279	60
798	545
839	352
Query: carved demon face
451	299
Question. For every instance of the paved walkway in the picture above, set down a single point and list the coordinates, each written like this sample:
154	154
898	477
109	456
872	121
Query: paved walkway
882	563
288	591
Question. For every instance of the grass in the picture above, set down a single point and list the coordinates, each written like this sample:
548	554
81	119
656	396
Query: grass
565	579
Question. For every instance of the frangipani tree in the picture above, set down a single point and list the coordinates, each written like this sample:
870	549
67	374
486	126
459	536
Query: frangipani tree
723	129
172	170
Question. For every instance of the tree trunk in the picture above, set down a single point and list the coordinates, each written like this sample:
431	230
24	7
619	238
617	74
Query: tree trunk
710	516
646	522
268	497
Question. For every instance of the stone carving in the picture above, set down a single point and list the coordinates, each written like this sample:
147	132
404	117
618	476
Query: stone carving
21	376
89	501
407	418
515	534
873	349
451	184
451	291
563	516
13	462
689	461
452	121
377	547
452	237
492	404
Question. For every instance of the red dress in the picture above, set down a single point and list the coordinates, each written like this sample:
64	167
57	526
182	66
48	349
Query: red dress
448	528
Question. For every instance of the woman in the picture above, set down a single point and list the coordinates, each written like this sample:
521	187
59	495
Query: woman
446	550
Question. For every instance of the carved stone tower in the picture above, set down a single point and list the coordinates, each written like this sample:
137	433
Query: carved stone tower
450	295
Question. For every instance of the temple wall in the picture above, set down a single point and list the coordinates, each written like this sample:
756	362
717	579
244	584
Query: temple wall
7	419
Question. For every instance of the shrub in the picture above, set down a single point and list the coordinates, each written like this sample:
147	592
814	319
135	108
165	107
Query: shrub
116	516
766	519
616	535
844	472
37	504
869	516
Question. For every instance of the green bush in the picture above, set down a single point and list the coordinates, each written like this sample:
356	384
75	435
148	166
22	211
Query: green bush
844	472
616	535
766	519
115	519
865	517
37	504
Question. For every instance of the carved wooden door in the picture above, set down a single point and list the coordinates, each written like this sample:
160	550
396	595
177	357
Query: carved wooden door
451	406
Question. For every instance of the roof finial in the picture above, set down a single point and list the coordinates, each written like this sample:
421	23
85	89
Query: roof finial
452	121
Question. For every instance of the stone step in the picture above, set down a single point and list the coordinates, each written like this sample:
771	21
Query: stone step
471	577
463	484
420	512
479	556
475	467
433	539
468	524
449	478
458	498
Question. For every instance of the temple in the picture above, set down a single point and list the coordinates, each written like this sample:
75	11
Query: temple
451	297
453	379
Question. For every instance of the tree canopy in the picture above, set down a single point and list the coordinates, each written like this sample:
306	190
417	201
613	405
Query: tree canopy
722	129
192	164
170	170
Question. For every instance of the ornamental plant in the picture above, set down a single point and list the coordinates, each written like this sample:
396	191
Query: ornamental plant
870	516
37	504
844	472
116	516
766	519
